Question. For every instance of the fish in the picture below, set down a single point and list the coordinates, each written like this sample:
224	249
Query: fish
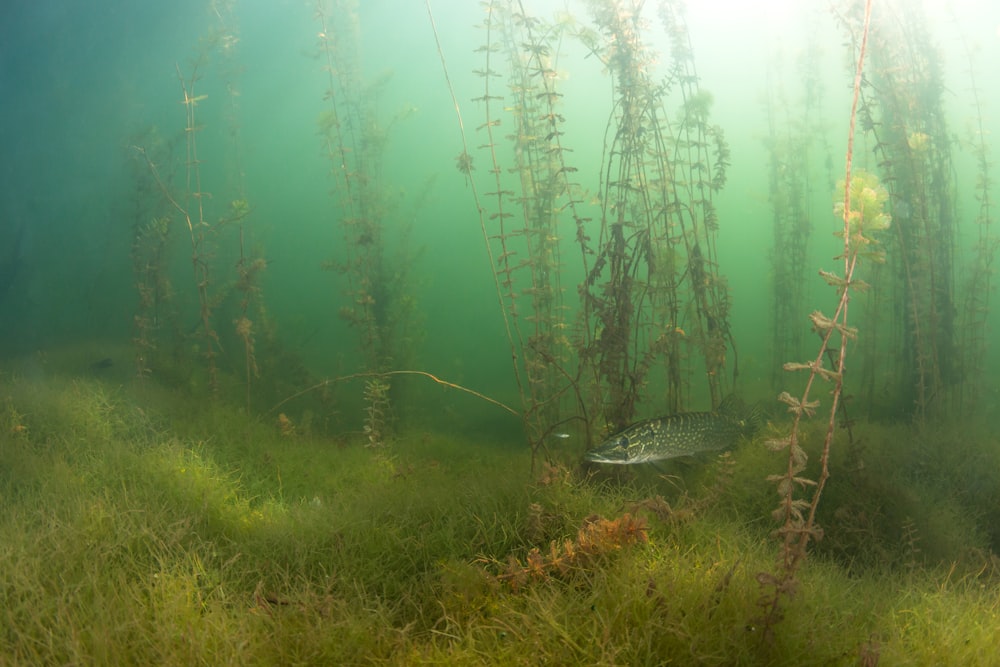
678	435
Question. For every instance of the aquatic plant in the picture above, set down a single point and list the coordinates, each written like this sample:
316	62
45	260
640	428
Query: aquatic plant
202	233
206	229
595	540
132	538
653	290
250	264
699	170
149	252
191	207
651	293
548	194
354	136
248	270
528	256
902	112
376	413
973	337
541	367
861	209
340	127
794	143
354	139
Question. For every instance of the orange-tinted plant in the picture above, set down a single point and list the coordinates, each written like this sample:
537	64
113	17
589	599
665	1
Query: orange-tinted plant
596	539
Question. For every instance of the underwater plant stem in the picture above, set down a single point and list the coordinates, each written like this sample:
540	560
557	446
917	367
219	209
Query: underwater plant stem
851	131
447	77
975	327
799	516
354	376
850	262
509	328
337	148
840	315
472	182
197	260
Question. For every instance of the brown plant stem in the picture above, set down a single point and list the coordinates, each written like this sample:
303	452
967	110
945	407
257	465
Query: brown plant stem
798	516
850	262
354	376
513	336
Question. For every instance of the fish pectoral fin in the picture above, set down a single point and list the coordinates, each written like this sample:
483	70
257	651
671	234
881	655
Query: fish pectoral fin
659	467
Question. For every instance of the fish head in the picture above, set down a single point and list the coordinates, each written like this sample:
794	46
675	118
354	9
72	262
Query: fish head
622	449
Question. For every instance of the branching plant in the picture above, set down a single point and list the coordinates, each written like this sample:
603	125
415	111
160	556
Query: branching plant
902	112
150	244
376	411
150	254
519	221
524	245
699	170
596	540
653	289
249	266
974	337
548	192
792	144
651	292
202	233
354	140
863	215
192	209
207	225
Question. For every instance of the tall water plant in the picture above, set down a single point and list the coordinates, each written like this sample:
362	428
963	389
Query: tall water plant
652	298
354	136
902	113
653	292
862	212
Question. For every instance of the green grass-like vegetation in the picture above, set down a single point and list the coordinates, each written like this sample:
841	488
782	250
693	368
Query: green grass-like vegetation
144	527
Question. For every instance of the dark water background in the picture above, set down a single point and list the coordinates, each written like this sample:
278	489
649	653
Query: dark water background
83	83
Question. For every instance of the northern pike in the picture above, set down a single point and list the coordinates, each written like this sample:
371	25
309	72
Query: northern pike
674	436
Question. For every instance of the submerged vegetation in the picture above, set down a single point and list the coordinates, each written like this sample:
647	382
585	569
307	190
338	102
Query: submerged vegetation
653	294
217	501
130	537
652	297
862	210
911	140
795	144
354	136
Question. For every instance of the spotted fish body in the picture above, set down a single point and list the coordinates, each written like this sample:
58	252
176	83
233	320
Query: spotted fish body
683	434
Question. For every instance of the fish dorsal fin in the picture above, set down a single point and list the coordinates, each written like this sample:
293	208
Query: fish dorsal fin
749	416
732	406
